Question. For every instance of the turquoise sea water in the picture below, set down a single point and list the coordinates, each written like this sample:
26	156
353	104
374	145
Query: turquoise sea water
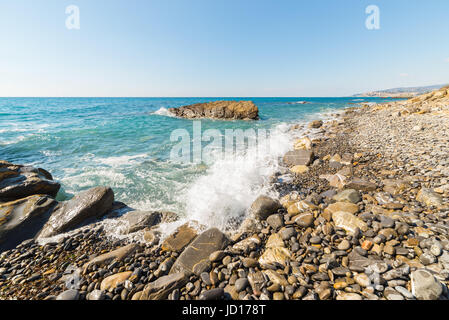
122	143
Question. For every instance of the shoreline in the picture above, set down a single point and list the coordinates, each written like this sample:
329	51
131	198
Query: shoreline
353	227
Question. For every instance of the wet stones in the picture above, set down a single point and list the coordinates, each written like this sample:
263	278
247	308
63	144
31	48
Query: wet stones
178	240
91	204
265	206
162	287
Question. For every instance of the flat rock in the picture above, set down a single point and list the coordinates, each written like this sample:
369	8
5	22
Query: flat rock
195	258
430	198
113	281
298	157
348	221
348	195
361	185
134	221
91	204
179	239
162	287
274	257
23	219
116	255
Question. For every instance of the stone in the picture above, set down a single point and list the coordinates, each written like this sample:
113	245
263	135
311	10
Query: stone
246	245
274	241
71	294
395	187
274	257
265	206
179	239
299	169
300	206
23	219
392	294
361	185
96	295
315	124
275	221
134	221
113	281
349	296
363	280
298	157
195	257
304	220
241	284
257	282
430	198
303	144
232	110
90	204
350	208
213	294
217	256
348	195
162	287
17	182
425	286
287	232
117	255
344	245
348	222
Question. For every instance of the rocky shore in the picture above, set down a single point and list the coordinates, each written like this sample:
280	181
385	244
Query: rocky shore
364	218
224	110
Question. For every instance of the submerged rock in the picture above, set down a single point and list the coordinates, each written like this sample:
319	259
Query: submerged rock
93	203
23	219
235	110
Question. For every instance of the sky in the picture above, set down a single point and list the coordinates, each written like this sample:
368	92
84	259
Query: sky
220	48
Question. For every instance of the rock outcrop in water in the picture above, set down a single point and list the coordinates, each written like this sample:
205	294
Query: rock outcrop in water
226	110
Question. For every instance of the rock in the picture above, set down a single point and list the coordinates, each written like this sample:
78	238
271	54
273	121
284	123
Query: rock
213	294
298	157
23	219
347	207
134	221
241	284
274	241
257	282
363	280
303	144
395	187
217	256
71	294
195	258
348	221
265	206
236	110
349	195
304	220
335	180
287	232
178	240
275	221
361	185
349	296
430	198
18	182
96	295
246	245
91	204
274	258
425	286
300	206
316	124
300	169
344	245
117	255
113	281
162	287
392	294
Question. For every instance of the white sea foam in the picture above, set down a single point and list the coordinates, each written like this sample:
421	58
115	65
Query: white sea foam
226	192
164	112
120	161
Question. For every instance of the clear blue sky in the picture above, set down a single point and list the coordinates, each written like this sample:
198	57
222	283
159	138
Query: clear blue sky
220	47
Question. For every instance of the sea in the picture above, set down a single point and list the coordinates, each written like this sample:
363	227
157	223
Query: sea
129	144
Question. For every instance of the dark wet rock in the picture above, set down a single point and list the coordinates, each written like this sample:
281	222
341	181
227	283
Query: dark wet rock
91	204
23	219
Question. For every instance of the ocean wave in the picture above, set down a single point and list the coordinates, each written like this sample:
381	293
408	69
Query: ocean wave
164	112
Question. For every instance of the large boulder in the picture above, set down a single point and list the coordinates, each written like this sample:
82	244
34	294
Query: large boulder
298	157
195	258
17	181
265	206
22	219
91	204
236	110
